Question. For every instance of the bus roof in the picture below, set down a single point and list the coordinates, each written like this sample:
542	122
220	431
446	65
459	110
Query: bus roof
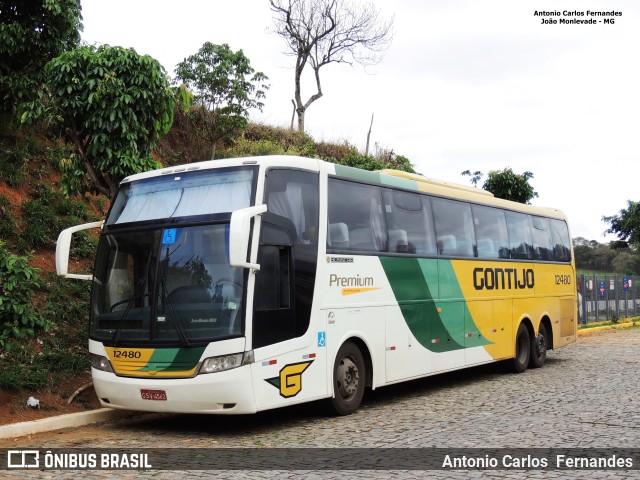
387	177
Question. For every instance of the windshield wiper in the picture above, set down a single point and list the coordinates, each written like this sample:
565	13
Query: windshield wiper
141	284
173	314
116	335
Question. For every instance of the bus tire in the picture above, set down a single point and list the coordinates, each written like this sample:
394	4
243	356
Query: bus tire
539	347
523	350
349	377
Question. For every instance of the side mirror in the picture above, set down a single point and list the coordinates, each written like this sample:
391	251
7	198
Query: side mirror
63	245
239	231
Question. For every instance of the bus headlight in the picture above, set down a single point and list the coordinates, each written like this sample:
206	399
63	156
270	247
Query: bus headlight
101	363
226	362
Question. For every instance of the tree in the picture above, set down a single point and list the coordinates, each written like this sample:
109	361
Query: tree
320	32
225	87
625	225
506	184
32	32
112	105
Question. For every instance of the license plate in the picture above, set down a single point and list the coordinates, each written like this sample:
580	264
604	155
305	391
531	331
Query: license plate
153	394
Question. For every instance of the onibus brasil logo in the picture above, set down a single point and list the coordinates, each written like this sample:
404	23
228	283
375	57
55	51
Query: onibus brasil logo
289	382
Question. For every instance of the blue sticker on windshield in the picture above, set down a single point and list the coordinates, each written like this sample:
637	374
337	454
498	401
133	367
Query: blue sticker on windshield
169	237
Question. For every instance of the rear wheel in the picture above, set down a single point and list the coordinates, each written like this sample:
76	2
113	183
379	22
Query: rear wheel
539	347
348	379
523	350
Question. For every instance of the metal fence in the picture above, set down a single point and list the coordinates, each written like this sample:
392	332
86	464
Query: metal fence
608	297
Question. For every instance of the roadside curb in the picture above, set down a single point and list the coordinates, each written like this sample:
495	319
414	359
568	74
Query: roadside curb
68	420
587	331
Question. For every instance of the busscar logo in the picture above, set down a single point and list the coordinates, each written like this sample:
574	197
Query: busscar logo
339	259
289	382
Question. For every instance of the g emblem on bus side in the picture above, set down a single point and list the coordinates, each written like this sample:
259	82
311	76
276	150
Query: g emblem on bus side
289	382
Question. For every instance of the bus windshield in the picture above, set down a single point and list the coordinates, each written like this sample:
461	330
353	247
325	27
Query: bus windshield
167	285
185	194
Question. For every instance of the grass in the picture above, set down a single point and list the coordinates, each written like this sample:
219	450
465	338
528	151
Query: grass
635	323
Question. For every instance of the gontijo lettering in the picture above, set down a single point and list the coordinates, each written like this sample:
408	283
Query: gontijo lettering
502	278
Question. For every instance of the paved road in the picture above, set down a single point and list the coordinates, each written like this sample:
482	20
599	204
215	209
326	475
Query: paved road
587	395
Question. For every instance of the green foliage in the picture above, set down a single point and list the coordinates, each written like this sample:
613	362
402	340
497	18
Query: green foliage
367	162
626	225
225	86
475	176
596	257
7	220
16	151
13	166
46	213
18	284
32	32
113	104
245	148
68	304
614	316
361	161
42	224
59	353
184	98
506	184
17	371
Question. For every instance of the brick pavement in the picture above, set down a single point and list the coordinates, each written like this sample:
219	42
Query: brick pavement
587	395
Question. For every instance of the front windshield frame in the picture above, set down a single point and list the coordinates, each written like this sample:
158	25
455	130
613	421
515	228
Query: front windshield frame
145	290
147	227
166	184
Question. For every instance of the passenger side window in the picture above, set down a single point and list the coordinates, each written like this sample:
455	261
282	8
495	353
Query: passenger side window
409	223
454	228
519	227
542	249
356	218
560	240
491	232
293	195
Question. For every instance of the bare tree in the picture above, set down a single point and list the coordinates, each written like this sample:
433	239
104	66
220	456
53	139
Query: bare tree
319	32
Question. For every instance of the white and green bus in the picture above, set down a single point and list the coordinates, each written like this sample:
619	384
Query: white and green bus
235	286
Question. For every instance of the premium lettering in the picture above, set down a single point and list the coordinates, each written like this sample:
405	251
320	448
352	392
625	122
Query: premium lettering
357	281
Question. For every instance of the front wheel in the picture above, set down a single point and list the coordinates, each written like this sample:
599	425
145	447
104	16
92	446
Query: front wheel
539	347
348	379
523	350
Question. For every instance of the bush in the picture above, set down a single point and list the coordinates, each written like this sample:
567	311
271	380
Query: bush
42	362
335	152
7	220
18	284
69	206
13	166
41	224
246	148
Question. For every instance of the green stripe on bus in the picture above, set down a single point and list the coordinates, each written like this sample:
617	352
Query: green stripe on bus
413	282
173	359
459	317
416	303
375	178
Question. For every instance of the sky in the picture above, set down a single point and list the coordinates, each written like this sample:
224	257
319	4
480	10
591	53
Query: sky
465	85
